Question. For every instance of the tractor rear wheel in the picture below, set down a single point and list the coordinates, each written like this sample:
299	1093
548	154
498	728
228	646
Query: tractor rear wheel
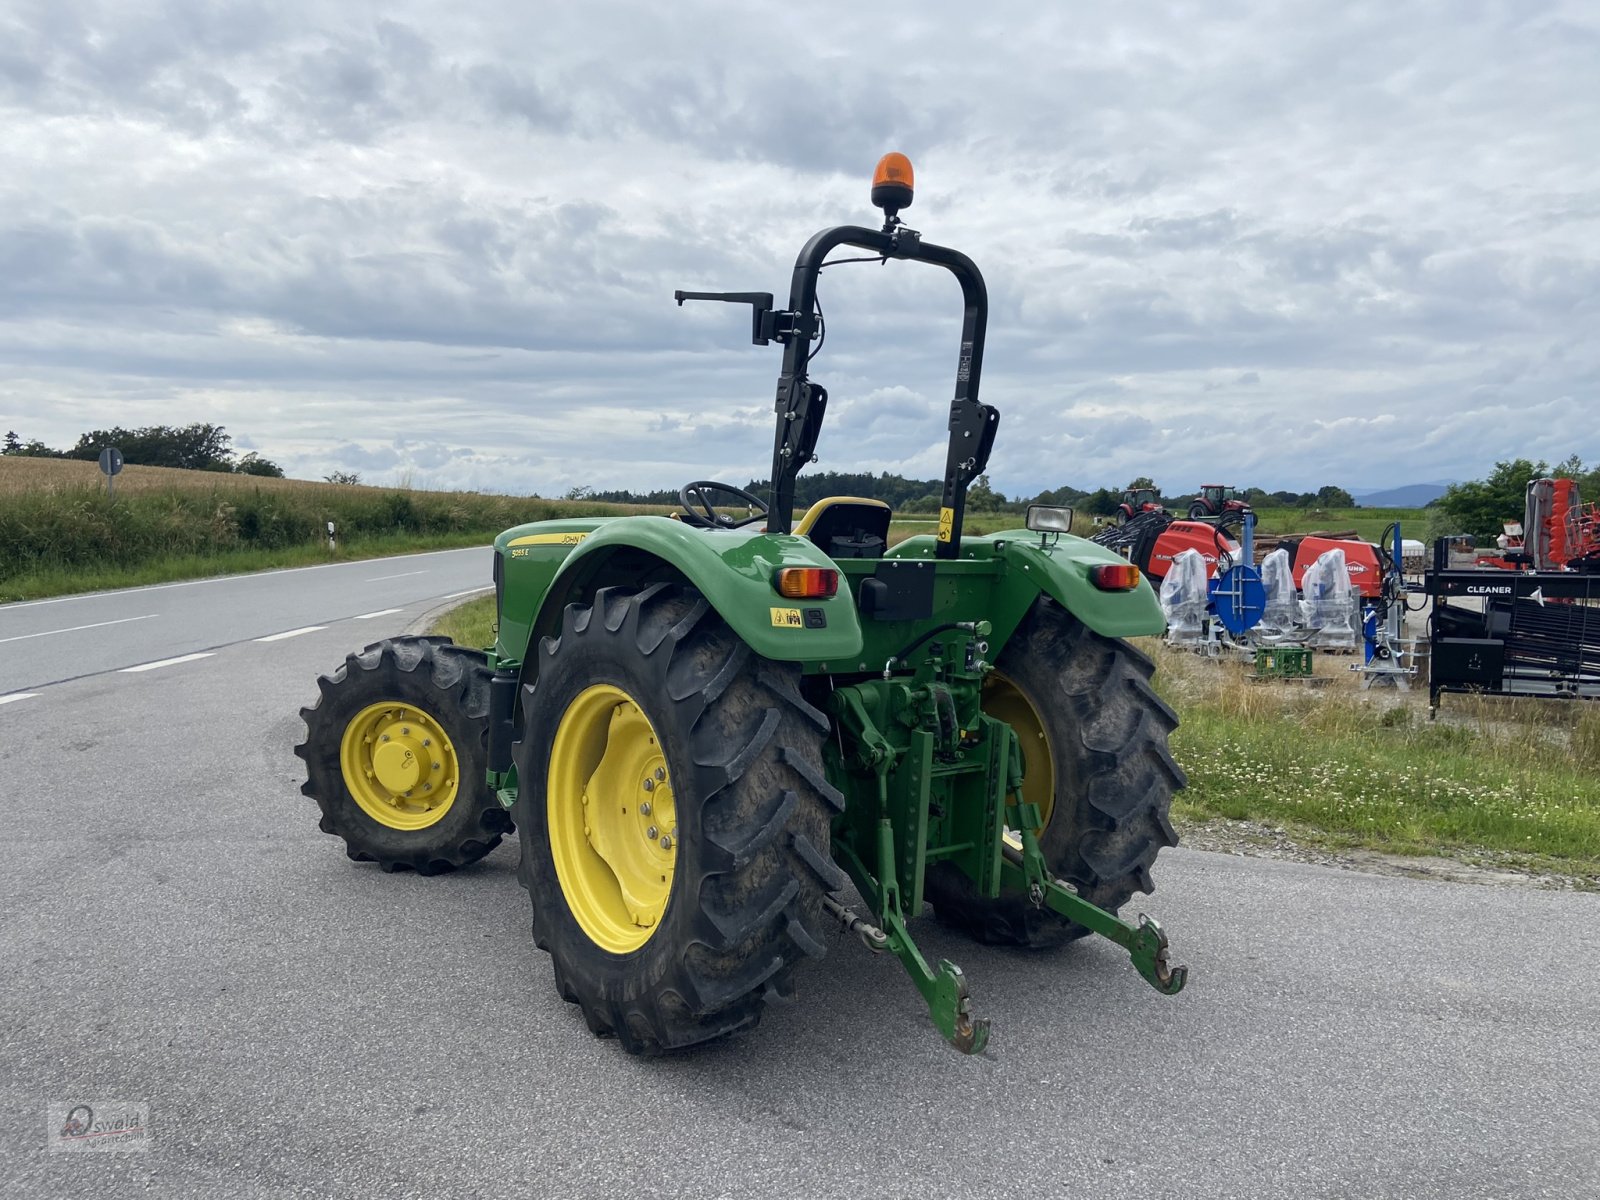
396	751
1096	763
674	819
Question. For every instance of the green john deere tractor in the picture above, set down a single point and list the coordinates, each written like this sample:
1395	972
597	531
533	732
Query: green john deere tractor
703	728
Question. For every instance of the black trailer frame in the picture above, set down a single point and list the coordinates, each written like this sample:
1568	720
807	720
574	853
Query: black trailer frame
1537	633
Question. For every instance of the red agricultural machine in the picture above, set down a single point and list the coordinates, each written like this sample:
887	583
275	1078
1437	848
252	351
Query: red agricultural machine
1136	501
1152	540
1217	500
1558	532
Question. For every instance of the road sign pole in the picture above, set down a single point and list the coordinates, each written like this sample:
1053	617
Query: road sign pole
110	464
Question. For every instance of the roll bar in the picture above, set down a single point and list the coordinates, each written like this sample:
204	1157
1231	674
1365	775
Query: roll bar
801	404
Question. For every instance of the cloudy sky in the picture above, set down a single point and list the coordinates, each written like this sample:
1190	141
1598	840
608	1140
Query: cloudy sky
1278	244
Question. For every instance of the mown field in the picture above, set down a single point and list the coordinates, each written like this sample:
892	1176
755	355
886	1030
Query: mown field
1369	523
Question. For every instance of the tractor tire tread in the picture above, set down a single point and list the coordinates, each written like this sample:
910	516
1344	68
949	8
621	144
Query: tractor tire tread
753	806
451	682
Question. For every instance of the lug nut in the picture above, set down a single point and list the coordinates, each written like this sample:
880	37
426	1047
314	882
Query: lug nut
660	774
427	741
651	833
666	843
649	785
405	729
385	737
644	808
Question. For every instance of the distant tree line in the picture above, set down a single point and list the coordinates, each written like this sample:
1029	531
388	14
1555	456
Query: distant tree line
198	447
906	495
924	495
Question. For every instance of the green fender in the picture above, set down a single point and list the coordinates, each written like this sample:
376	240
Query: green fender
1060	569
733	569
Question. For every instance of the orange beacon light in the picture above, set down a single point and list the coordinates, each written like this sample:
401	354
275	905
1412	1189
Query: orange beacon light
892	183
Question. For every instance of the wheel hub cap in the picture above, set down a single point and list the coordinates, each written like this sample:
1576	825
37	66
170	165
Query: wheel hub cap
399	766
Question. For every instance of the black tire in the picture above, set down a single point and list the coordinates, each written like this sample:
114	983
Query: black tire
1114	779
448	683
753	809
1198	512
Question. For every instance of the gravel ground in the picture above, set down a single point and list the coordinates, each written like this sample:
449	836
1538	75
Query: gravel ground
1256	839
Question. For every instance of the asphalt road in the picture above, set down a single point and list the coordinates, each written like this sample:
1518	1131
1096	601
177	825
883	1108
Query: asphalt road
174	930
50	641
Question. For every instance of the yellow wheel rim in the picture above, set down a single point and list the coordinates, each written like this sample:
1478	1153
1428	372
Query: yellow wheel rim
613	822
399	765
1005	701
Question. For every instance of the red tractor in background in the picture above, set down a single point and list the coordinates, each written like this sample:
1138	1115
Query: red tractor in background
1218	500
1136	501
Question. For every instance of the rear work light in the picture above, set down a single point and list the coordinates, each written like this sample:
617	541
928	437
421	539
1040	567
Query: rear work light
806	583
1114	577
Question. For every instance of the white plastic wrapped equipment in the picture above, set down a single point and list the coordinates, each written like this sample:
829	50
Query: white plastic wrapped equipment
1283	606
1183	596
1329	608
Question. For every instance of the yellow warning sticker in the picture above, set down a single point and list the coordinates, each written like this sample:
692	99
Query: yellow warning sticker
548	539
947	523
787	618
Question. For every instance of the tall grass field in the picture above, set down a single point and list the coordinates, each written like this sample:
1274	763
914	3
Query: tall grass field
60	532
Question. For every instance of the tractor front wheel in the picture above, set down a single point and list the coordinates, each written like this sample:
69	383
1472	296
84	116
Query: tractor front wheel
674	819
1096	765
396	753
1198	512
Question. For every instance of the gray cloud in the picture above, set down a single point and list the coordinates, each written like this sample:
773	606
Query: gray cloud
1295	244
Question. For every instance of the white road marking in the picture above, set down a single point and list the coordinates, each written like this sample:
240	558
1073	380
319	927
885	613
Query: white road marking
17	696
289	633
166	662
382	612
246	575
486	587
402	575
22	637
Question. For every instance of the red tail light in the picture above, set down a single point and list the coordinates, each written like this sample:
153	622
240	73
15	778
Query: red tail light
806	583
1114	577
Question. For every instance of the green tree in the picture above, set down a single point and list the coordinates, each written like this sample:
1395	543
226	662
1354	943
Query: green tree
18	448
1481	507
983	498
1334	497
1144	481
351	477
254	464
1102	502
197	447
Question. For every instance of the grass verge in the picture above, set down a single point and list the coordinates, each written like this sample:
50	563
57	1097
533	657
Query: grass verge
468	624
1511	780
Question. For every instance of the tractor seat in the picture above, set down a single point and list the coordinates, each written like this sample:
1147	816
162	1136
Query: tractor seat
847	527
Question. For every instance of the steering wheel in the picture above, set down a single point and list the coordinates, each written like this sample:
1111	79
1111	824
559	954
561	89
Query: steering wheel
700	513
